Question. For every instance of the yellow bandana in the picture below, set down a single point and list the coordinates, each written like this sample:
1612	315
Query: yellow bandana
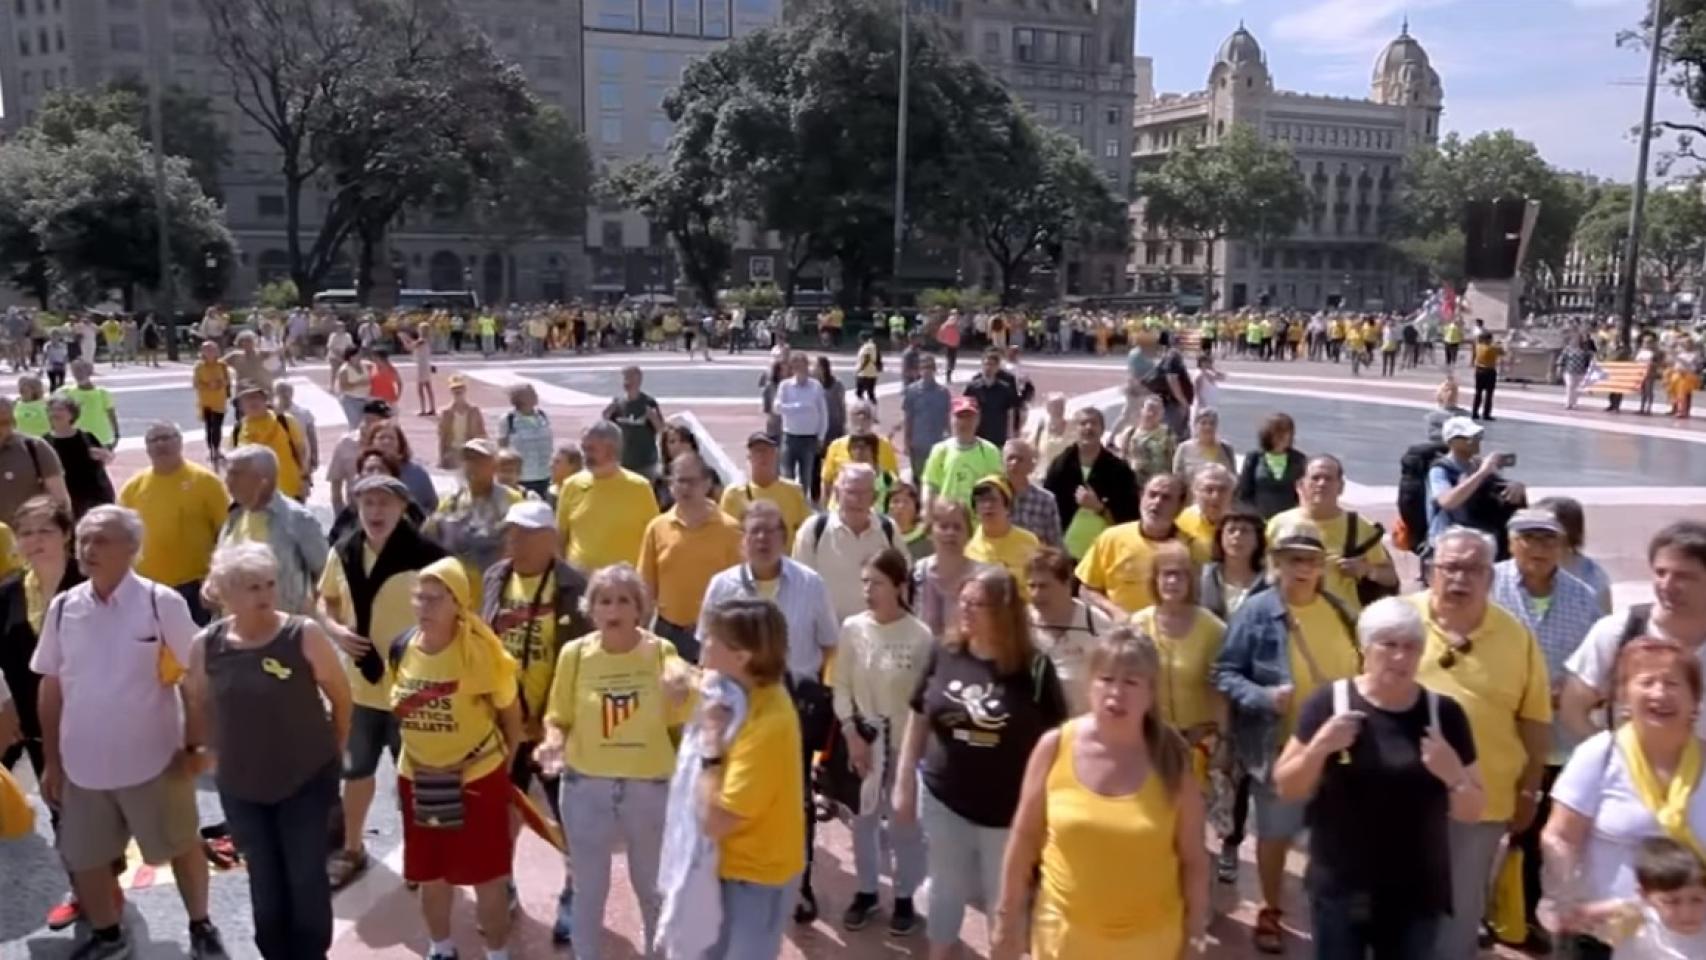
1668	803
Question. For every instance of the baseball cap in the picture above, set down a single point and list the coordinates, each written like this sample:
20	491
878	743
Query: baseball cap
1460	428
1299	535
458	380
531	515
1535	521
964	405
381	481
759	438
481	447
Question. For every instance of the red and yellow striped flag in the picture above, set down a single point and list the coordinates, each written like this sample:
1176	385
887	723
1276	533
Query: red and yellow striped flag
1614	376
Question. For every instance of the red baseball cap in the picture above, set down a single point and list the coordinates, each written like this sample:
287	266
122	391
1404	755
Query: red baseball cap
964	405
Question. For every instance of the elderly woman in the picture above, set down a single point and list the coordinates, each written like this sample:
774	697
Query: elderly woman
861	421
1051	436
1267	480
525	429
1205	445
615	775
1445	407
81	455
937	578
454	698
1380	742
1062	626
1148	445
1103	794
267	678
1571	517
967	788
260	513
1641	780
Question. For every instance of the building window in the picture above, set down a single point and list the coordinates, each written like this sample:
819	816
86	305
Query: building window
1113	116
1048	46
1188	253
609	96
125	37
1072	49
47	80
659	66
122	4
270	205
610	63
992	43
687	17
1051	111
1111	148
59	39
610	131
617	14
1076	112
716	18
27	81
21	8
610	232
654	16
1025	45
549	67
23	44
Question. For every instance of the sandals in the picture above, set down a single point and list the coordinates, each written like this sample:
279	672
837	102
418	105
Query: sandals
344	868
217	846
1269	936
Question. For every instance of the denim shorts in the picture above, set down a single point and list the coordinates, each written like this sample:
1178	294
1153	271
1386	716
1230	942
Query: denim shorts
1276	819
370	732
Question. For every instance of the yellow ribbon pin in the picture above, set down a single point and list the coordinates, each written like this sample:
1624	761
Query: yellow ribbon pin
275	668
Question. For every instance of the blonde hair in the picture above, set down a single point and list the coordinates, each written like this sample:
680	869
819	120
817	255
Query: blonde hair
618	576
755	627
1126	652
1172	552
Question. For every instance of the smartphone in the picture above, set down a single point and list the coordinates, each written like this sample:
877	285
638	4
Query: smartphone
1510	460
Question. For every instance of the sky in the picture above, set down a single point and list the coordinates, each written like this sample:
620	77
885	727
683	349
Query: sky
1551	70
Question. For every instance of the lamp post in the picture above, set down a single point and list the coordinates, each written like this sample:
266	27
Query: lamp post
168	306
1638	202
900	144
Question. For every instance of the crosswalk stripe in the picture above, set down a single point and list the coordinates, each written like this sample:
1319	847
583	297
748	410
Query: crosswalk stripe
549	393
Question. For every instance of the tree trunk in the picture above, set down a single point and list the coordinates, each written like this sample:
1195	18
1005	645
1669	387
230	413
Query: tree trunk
292	231
1208	288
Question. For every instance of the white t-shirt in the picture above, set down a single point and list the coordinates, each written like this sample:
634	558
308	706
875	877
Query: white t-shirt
1596	784
1655	942
1594	661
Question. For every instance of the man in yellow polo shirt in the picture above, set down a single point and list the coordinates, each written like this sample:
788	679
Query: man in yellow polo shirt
1487	660
1211	498
764	481
861	421
1352	556
682	550
183	506
1115	570
602	511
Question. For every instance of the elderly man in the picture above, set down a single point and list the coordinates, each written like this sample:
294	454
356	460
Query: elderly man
123	742
764	481
28	466
804	411
1281	646
812	633
602	511
533	602
1090	479
183	506
682	550
956	464
924	406
1115	571
467	524
1465	489
1484	658
1211	499
1355	552
261	514
1559	610
1034	509
365	604
836	545
861	422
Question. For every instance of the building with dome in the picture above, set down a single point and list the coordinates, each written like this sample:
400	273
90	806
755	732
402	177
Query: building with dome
1349	151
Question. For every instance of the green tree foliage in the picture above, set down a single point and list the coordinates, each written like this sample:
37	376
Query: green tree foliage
82	214
189	132
277	295
1673	232
1438	181
1240	188
678	196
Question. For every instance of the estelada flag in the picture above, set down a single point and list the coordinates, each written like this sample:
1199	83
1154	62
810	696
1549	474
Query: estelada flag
1614	376
536	820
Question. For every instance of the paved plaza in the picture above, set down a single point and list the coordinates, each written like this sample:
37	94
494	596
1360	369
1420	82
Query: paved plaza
1633	474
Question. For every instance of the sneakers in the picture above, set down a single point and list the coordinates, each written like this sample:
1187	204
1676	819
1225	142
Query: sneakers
903	919
860	911
205	943
805	911
436	954
115	946
563	929
1226	865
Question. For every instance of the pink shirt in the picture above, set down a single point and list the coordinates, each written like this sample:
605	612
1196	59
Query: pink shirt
120	726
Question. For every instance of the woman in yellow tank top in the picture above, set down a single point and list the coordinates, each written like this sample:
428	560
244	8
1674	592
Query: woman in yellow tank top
1103	793
1187	640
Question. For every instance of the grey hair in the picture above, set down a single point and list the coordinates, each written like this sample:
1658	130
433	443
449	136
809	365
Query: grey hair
256	457
111	515
1019	446
1054	398
855	471
235	563
861	406
520	390
618	576
601	430
1483	541
1390	615
764	511
1206	414
1210	470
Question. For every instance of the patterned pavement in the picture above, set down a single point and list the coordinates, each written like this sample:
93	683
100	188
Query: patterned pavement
1633	473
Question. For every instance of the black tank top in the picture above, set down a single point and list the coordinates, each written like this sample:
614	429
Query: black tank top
270	726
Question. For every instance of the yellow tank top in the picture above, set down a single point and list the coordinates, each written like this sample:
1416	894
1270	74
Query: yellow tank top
1093	842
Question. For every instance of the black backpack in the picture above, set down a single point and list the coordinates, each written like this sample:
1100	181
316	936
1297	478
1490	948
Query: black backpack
1368	590
1413	491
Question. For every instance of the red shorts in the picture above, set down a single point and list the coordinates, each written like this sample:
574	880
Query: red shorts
478	852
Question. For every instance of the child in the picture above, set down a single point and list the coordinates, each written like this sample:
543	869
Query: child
565	463
1669	920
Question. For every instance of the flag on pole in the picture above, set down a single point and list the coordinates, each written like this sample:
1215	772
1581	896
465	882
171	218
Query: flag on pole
536	820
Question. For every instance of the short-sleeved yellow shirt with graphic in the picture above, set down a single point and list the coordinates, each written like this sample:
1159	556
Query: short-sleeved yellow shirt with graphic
447	712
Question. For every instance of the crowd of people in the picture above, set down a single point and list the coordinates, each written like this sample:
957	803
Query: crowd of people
1049	668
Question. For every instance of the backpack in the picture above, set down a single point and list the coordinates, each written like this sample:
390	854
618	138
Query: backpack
1368	590
283	420
820	523
1411	531
509	420
1342	705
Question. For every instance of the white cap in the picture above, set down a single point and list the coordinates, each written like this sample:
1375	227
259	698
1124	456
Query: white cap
531	515
1460	428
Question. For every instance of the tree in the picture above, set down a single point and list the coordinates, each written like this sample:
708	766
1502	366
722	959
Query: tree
1673	231
85	213
678	197
1238	188
1437	183
189	132
539	184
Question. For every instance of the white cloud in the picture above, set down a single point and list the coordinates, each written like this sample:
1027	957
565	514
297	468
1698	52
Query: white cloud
1346	27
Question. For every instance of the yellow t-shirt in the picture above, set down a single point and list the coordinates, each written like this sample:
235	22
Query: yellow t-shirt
763	783
212	385
1500	680
182	513
836	456
678	562
1487	356
1184	693
287	443
1333	653
392	615
1012	551
768	588
1340	585
1197	527
1118	564
603	520
785	494
252	527
612	707
527	630
446	707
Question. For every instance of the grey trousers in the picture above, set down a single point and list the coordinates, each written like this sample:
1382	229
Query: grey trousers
1473	847
597	811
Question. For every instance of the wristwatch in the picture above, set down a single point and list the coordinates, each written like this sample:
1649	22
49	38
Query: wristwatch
196	749
708	763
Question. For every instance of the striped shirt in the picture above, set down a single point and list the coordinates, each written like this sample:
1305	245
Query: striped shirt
1035	509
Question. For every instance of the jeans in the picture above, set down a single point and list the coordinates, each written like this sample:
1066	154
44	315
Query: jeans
684	637
1354	927
964	864
905	841
352	409
800	460
754	917
596	810
1473	847
284	844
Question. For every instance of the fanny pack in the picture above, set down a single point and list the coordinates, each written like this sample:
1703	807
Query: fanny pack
438	800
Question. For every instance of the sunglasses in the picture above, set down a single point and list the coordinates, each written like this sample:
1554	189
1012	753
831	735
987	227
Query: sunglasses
1453	650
